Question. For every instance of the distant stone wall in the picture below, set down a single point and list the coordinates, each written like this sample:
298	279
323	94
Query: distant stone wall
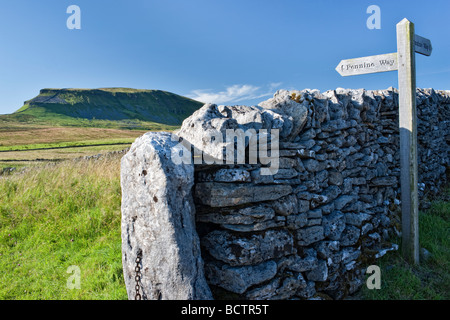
328	212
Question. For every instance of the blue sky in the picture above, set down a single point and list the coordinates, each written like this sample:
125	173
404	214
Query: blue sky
226	51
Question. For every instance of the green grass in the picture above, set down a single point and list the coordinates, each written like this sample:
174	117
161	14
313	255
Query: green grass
70	144
430	280
17	165
57	216
42	117
20	159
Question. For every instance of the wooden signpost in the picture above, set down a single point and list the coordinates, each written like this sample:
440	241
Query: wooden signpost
408	43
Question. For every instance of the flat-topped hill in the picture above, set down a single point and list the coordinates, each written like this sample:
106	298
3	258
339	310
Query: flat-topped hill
110	104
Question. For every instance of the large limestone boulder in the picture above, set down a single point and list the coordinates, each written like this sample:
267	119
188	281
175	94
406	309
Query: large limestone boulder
209	129
205	130
296	111
158	221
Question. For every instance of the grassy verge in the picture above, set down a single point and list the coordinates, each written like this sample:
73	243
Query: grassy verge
70	144
21	137
31	157
57	216
430	280
47	119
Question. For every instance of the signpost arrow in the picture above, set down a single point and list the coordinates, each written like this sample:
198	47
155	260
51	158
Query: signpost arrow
371	64
422	45
408	43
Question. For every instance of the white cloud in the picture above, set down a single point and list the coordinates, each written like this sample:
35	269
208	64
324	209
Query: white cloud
234	93
275	85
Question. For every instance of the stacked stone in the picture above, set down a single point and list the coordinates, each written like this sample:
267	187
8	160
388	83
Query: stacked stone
433	108
311	228
308	230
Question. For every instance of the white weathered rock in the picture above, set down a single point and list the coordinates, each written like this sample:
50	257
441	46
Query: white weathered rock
225	175
207	128
244	216
224	194
283	104
239	279
239	250
158	220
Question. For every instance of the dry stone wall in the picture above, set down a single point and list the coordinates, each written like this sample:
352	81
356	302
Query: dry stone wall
310	229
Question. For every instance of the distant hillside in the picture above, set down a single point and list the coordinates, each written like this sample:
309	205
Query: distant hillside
109	104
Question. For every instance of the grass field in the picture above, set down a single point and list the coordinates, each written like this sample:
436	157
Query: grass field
25	144
32	157
13	138
18	121
55	216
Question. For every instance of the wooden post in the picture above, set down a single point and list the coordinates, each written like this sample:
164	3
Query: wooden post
408	140
403	60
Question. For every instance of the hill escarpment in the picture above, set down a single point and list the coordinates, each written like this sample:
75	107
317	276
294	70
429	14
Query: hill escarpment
111	104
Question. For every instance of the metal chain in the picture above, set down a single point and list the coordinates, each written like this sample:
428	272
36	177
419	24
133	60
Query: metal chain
137	277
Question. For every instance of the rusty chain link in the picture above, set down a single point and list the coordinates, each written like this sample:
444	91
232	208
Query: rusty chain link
137	277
